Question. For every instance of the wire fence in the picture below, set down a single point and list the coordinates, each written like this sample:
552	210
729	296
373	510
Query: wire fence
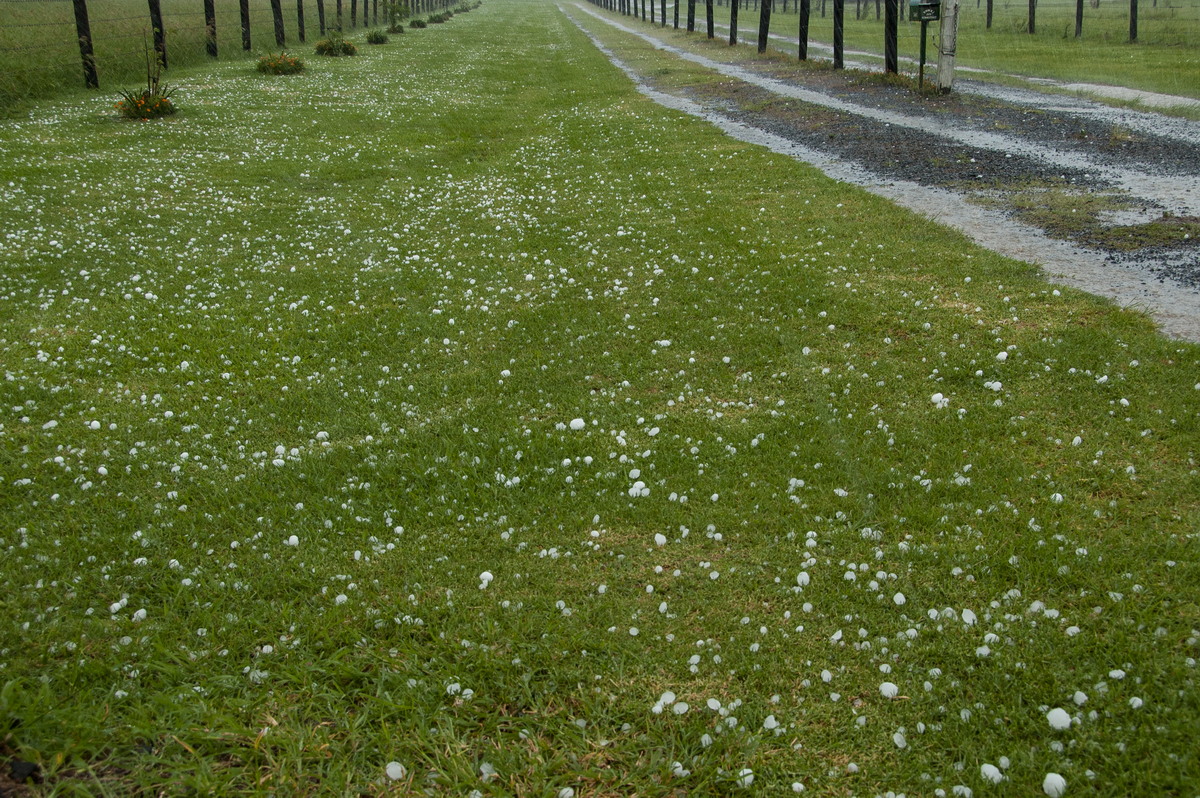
47	46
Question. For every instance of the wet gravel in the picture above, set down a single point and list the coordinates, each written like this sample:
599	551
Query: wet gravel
986	140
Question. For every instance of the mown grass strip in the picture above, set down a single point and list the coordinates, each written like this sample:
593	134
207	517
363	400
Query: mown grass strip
290	370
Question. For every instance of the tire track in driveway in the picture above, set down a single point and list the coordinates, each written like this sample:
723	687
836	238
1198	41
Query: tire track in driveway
1175	308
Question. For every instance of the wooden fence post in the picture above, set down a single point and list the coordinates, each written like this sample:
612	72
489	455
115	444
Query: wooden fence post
802	39
339	16
244	8
708	16
764	24
277	15
733	31
947	46
989	14
353	13
160	39
691	19
210	28
321	15
300	18
1078	19
839	27
1133	9
83	31
891	25
1032	14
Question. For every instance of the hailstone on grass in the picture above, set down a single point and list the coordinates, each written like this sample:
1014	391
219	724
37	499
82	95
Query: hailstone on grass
1058	719
991	773
577	424
889	690
396	771
1054	785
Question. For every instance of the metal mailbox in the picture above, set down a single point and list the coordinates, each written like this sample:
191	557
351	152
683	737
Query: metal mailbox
924	10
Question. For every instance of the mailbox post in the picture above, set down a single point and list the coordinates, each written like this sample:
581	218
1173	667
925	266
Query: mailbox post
923	11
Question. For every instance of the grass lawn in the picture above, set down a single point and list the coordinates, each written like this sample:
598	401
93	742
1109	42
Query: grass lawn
452	417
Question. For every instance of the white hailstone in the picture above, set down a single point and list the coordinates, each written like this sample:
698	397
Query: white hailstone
577	424
714	704
660	539
1134	702
1058	719
1116	673
94	425
770	723
633	631
991	773
1054	785
706	740
396	771
102	471
340	599
115	607
1001	357
899	599
1080	698
962	791
889	690
968	617
293	540
184	366
680	708
139	616
487	772
745	777
679	770
900	740
485	579
939	400
802	579
1071	631
566	792
797	787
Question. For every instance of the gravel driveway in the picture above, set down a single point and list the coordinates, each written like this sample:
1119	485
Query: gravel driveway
1102	198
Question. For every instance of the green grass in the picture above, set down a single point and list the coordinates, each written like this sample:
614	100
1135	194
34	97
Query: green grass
39	55
1166	57
363	306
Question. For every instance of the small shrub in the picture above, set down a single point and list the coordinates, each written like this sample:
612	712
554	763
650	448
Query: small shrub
438	18
336	45
377	37
154	101
280	64
395	27
416	23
